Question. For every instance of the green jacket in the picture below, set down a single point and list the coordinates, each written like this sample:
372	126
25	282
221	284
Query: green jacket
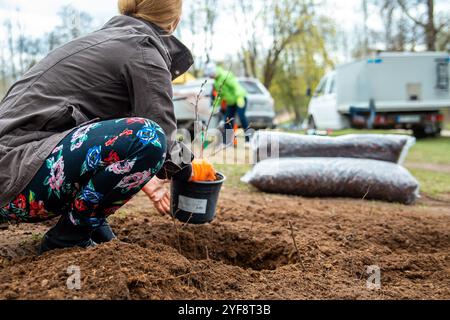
231	90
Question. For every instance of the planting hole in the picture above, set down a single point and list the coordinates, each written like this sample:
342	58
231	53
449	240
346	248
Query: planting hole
245	250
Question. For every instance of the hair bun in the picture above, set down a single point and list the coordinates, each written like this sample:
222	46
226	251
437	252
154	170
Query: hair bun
127	7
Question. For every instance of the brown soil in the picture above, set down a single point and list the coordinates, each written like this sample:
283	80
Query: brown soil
247	253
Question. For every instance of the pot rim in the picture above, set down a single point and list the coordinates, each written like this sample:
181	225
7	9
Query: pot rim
224	178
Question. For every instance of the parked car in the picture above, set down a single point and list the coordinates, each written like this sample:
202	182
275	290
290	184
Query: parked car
389	91
260	108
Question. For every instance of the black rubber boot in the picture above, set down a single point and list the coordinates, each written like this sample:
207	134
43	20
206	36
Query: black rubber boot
103	233
66	235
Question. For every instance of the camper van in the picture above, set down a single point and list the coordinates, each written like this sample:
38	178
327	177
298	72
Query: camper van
387	91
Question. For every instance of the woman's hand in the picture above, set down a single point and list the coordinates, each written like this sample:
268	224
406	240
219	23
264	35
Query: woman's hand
163	206
159	194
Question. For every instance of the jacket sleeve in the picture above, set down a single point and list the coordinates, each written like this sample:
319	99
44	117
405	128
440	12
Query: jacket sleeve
235	87
150	89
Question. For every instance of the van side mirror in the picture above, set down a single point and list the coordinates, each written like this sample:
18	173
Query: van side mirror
309	92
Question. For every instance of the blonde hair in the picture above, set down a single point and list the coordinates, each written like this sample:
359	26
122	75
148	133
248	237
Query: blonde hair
164	13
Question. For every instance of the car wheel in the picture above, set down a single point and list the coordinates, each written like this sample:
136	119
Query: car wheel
311	123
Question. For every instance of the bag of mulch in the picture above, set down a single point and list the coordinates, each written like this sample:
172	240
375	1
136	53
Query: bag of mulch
335	177
389	147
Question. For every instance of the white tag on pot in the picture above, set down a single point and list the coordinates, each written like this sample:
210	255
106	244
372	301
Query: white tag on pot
192	205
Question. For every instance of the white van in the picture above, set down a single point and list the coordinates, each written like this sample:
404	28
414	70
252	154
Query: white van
391	90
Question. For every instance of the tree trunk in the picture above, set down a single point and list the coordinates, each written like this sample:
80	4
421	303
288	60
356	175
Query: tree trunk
430	28
252	58
269	72
243	58
366	28
298	117
270	67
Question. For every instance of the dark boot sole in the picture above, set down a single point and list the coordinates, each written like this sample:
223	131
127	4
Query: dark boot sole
49	245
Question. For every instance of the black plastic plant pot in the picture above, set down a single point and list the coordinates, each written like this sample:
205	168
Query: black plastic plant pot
195	202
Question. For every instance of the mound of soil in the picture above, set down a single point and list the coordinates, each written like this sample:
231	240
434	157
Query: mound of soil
259	247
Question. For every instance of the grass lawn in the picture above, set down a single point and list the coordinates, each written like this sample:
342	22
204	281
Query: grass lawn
366	131
234	173
433	150
433	183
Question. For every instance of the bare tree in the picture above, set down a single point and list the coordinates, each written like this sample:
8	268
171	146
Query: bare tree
286	20
432	28
11	47
192	23
20	43
211	15
74	23
250	51
365	9
200	20
398	31
387	12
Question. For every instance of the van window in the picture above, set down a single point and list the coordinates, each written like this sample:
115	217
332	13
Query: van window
321	87
442	75
332	87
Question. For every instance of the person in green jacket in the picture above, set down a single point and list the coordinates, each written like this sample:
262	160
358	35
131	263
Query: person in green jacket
233	93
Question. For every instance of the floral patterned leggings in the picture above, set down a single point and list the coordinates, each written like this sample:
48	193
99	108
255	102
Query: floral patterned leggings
92	173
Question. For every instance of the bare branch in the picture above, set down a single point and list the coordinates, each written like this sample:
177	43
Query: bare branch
405	10
443	25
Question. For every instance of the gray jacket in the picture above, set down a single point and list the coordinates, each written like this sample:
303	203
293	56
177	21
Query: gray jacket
123	70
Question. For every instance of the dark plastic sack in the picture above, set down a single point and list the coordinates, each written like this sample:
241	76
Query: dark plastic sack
335	177
389	147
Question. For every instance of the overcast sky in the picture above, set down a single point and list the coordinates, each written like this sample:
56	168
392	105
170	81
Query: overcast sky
39	17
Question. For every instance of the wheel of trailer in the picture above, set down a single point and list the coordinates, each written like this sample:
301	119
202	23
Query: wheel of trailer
421	133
